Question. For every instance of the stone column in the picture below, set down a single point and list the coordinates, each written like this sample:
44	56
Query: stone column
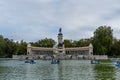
29	51
90	51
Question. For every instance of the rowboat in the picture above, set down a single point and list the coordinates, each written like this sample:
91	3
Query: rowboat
54	62
95	62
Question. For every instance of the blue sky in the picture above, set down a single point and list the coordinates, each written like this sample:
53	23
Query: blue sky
32	20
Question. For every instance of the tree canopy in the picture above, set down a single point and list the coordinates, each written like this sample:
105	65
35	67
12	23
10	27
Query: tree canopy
44	43
102	39
2	46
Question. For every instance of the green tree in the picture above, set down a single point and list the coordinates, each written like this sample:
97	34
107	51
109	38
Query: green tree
2	46
83	42
44	43
102	40
79	43
10	48
75	43
21	48
115	50
68	43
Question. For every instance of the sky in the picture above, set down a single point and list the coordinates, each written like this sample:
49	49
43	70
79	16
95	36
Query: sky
32	20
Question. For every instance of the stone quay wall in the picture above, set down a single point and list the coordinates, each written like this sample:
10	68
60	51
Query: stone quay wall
65	57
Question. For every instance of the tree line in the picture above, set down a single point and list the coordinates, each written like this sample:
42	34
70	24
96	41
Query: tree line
103	43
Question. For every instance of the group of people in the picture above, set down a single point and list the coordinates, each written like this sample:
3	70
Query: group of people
27	60
55	60
94	61
117	62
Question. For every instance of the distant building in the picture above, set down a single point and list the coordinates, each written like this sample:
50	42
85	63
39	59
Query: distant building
59	50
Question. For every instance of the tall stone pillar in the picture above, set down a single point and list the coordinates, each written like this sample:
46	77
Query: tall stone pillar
29	51
60	49
90	51
60	39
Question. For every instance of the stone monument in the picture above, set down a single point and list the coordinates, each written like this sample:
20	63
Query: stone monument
59	48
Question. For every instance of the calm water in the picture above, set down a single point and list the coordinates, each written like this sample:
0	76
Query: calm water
66	70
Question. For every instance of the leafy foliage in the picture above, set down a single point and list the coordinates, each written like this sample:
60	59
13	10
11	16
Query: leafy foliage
102	40
68	43
21	48
44	43
115	50
2	46
79	43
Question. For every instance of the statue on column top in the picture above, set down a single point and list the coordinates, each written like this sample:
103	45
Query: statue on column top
60	30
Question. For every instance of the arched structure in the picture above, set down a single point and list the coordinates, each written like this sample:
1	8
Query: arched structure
60	51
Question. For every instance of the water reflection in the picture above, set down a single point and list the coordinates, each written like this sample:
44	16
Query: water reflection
75	70
104	72
66	70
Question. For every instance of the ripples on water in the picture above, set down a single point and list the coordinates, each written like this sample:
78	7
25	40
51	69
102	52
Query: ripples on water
66	70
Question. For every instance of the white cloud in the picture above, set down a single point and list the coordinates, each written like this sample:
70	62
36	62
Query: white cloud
35	19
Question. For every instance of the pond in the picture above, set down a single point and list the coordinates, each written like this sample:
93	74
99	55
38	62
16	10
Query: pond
66	70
